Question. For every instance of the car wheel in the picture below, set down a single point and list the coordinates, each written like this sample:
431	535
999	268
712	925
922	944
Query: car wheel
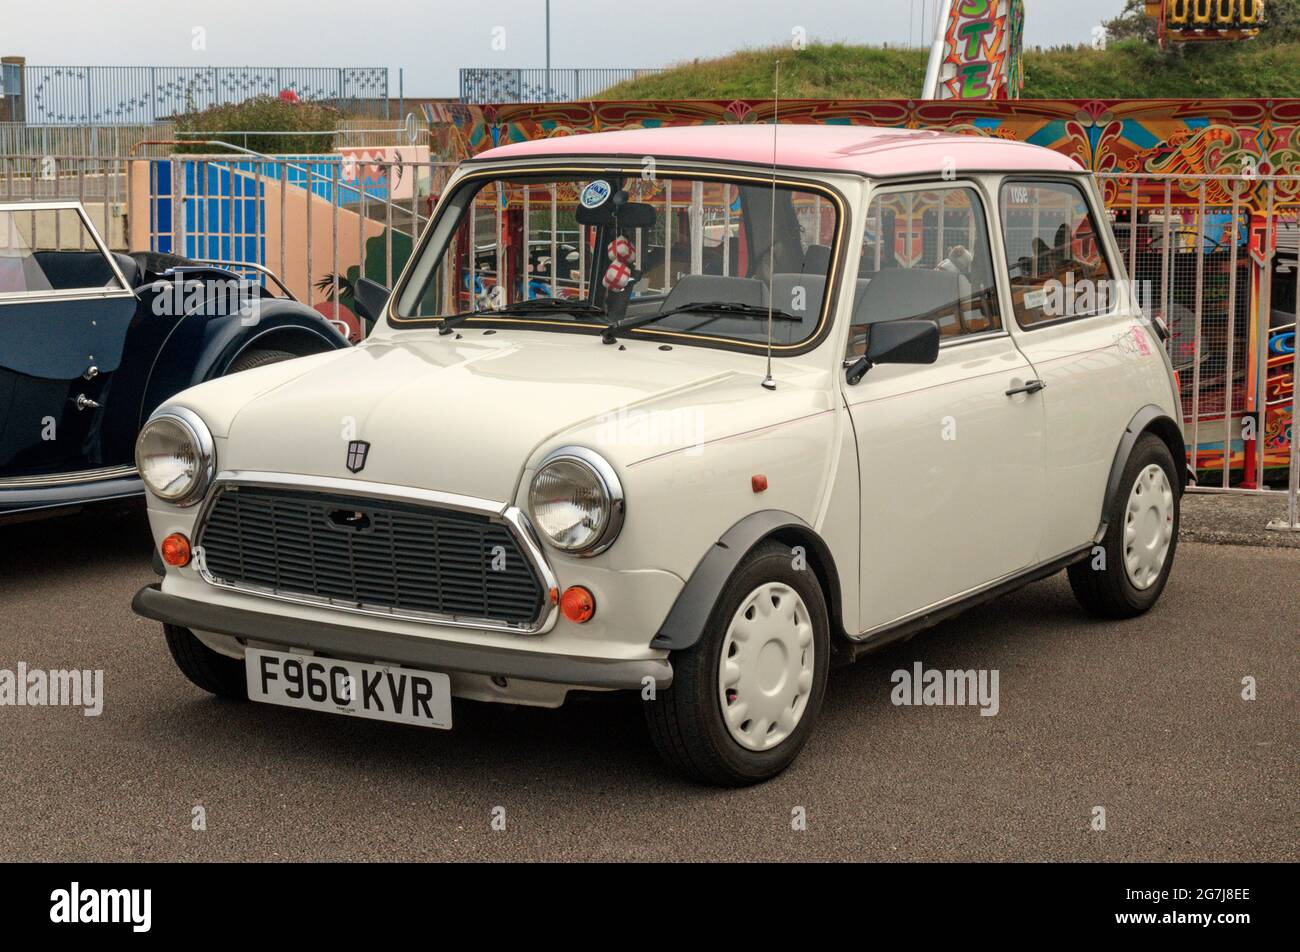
745	697
213	672
258	358
1127	575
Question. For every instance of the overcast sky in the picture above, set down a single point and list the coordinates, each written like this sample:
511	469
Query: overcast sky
431	39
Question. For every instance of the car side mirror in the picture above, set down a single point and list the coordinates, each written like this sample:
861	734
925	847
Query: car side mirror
370	298
897	342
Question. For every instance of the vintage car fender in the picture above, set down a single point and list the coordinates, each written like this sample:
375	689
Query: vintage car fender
201	347
1149	419
689	614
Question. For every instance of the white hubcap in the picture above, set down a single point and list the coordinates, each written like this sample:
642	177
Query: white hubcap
1148	526
766	671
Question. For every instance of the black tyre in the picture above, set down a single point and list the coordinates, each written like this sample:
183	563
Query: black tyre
214	673
258	358
1125	575
745	697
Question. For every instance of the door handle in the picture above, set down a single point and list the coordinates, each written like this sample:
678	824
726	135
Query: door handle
1031	386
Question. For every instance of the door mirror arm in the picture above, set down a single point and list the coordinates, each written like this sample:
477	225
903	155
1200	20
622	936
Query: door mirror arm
857	370
370	298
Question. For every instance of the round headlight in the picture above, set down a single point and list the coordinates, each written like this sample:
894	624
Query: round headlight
576	501
175	456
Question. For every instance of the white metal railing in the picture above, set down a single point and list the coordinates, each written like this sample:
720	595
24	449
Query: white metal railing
1219	256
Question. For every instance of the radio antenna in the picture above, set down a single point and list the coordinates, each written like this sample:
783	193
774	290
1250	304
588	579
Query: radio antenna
768	382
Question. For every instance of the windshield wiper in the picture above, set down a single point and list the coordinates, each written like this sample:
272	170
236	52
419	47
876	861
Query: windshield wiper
551	304
727	308
544	305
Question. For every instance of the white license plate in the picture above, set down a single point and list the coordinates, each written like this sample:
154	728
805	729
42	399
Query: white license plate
382	692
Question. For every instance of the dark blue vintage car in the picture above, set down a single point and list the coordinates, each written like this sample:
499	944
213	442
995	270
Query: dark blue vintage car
92	341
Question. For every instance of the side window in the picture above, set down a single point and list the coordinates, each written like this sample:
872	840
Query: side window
925	256
1054	253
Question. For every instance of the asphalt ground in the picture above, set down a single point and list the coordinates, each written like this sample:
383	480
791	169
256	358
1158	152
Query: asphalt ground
1237	519
1143	718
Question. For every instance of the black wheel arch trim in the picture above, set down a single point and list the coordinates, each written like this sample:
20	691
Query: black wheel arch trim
299	339
685	622
1149	419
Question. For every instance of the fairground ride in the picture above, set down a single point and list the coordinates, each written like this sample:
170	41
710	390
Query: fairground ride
978	45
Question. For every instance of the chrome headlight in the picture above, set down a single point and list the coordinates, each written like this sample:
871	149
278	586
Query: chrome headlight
176	456
576	501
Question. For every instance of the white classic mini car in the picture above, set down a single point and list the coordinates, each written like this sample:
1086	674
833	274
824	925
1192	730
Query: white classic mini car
689	412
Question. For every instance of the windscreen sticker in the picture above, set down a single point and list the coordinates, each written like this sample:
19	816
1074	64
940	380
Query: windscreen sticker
595	194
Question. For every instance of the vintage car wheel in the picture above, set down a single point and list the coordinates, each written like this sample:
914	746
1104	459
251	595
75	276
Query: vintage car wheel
745	697
258	358
213	672
1127	576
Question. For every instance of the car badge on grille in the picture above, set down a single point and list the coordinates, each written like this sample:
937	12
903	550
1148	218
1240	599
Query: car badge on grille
357	451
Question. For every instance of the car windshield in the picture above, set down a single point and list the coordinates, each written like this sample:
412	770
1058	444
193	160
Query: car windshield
650	253
46	249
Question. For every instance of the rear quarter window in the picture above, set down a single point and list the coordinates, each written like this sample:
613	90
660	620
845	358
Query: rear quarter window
1055	255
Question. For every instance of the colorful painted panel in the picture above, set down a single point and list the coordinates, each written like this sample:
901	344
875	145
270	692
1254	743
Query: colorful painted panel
1252	137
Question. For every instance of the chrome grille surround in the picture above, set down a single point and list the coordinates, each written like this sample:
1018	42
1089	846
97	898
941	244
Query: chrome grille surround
509	518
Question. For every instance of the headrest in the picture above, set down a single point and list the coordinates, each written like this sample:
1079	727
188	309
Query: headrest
706	288
899	293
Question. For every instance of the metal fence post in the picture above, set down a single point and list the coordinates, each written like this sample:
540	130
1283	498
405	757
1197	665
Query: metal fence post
1263	309
1292	521
1230	368
1199	250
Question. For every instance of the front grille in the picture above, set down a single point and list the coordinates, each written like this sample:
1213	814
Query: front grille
367	553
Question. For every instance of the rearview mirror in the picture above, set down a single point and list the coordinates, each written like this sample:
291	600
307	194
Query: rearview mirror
630	215
370	298
897	342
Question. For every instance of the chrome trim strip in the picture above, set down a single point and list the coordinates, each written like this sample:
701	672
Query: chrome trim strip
361	487
76	294
67	479
509	516
248	266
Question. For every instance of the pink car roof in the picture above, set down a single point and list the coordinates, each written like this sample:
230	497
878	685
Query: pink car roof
864	150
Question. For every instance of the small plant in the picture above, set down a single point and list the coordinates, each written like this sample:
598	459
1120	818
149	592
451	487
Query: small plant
290	121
